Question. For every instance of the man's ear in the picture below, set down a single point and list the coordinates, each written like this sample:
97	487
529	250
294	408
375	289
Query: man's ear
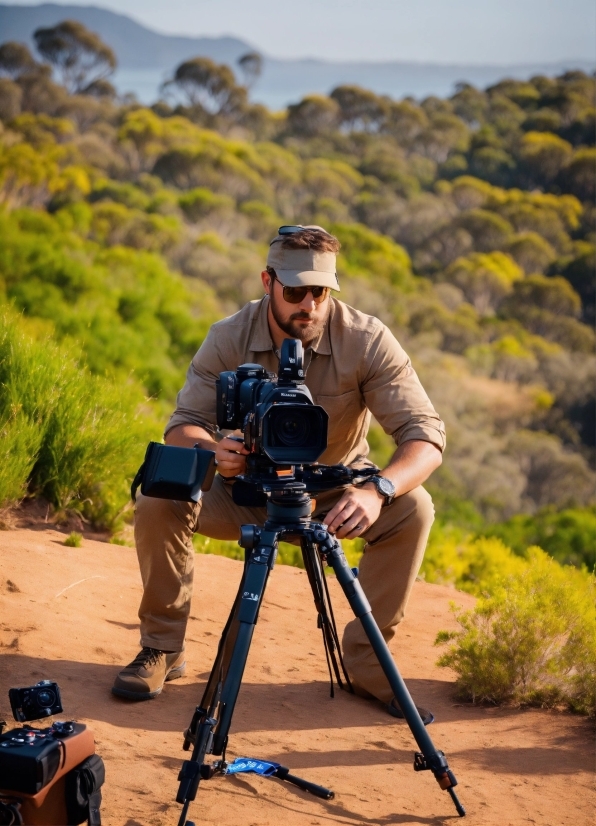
266	279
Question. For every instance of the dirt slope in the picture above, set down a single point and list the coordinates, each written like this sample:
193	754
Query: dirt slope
69	614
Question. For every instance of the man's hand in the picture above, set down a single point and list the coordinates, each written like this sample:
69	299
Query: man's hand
230	455
356	511
410	466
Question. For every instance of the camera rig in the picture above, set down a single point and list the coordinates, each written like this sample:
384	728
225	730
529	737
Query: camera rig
285	433
289	507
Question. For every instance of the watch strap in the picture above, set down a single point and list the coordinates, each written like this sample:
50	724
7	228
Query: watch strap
378	481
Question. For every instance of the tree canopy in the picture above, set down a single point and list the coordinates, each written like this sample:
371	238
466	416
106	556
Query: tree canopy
80	56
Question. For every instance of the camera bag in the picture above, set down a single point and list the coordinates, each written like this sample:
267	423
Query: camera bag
83	791
10	813
71	794
170	472
28	764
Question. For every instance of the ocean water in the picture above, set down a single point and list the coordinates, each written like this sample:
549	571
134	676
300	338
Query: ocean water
284	82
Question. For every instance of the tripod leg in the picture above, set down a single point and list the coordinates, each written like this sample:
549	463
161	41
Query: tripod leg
430	757
318	584
257	572
212	721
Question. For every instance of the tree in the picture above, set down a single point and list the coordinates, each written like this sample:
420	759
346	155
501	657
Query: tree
556	295
470	193
404	121
314	115
579	177
543	120
40	93
101	88
531	251
489	231
485	280
554	475
493	165
521	92
361	110
10	99
505	116
251	66
15	60
207	85
81	56
579	271
543	155
469	104
549	307
445	133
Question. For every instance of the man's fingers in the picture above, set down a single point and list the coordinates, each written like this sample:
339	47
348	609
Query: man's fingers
233	446
346	520
352	527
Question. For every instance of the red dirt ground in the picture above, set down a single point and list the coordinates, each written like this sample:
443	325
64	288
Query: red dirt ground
69	614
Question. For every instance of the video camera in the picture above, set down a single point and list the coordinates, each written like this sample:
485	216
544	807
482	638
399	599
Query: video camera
284	431
277	415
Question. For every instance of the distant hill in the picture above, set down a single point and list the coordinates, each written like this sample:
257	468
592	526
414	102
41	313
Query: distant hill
146	57
136	46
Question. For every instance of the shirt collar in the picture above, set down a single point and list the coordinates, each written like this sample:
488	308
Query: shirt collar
261	341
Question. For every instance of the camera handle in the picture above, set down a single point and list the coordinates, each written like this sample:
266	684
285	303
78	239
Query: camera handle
209	728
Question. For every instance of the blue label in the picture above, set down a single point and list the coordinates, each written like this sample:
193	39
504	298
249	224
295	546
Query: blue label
246	764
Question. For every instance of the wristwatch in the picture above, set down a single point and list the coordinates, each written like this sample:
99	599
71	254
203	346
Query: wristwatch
384	486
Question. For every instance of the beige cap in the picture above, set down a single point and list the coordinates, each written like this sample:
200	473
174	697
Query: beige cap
302	267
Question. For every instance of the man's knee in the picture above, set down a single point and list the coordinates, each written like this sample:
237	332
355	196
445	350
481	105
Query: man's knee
418	508
412	512
152	513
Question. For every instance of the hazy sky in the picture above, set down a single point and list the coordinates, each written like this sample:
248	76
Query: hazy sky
442	31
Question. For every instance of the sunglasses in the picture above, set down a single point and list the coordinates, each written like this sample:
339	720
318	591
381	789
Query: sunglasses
295	295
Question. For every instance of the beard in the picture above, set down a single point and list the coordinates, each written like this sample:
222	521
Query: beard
293	328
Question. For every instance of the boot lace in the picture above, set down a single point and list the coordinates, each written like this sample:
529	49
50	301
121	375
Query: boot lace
145	657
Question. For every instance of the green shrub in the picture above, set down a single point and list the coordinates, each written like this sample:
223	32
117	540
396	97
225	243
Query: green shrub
476	565
71	437
568	535
74	540
532	642
287	554
125	309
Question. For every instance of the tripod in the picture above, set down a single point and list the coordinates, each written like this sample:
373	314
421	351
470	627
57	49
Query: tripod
289	517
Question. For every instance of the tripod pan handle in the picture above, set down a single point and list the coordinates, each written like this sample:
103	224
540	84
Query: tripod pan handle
319	791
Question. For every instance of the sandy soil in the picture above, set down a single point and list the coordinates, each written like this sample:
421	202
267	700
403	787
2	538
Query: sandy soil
69	614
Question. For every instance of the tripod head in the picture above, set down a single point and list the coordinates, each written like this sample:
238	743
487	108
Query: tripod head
264	484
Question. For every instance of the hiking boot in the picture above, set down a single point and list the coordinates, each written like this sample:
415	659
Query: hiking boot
143	678
426	716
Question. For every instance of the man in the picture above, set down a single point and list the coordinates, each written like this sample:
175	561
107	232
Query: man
354	367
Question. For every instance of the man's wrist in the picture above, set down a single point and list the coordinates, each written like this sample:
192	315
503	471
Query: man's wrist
384	488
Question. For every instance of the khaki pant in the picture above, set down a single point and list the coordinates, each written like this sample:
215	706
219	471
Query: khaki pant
395	545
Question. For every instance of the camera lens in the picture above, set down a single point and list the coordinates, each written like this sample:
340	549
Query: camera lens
292	429
46	698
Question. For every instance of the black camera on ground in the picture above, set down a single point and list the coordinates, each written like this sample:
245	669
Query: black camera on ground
276	414
35	701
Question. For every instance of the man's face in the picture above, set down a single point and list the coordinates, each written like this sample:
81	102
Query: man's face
303	321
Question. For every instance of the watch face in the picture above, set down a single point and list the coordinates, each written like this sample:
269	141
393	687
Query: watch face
386	487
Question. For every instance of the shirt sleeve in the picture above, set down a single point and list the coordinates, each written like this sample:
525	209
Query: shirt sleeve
196	402
394	395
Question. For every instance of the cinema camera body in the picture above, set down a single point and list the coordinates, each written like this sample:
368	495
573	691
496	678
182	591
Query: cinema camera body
283	429
277	415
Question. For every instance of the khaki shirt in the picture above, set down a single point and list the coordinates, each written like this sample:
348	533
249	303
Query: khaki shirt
356	367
